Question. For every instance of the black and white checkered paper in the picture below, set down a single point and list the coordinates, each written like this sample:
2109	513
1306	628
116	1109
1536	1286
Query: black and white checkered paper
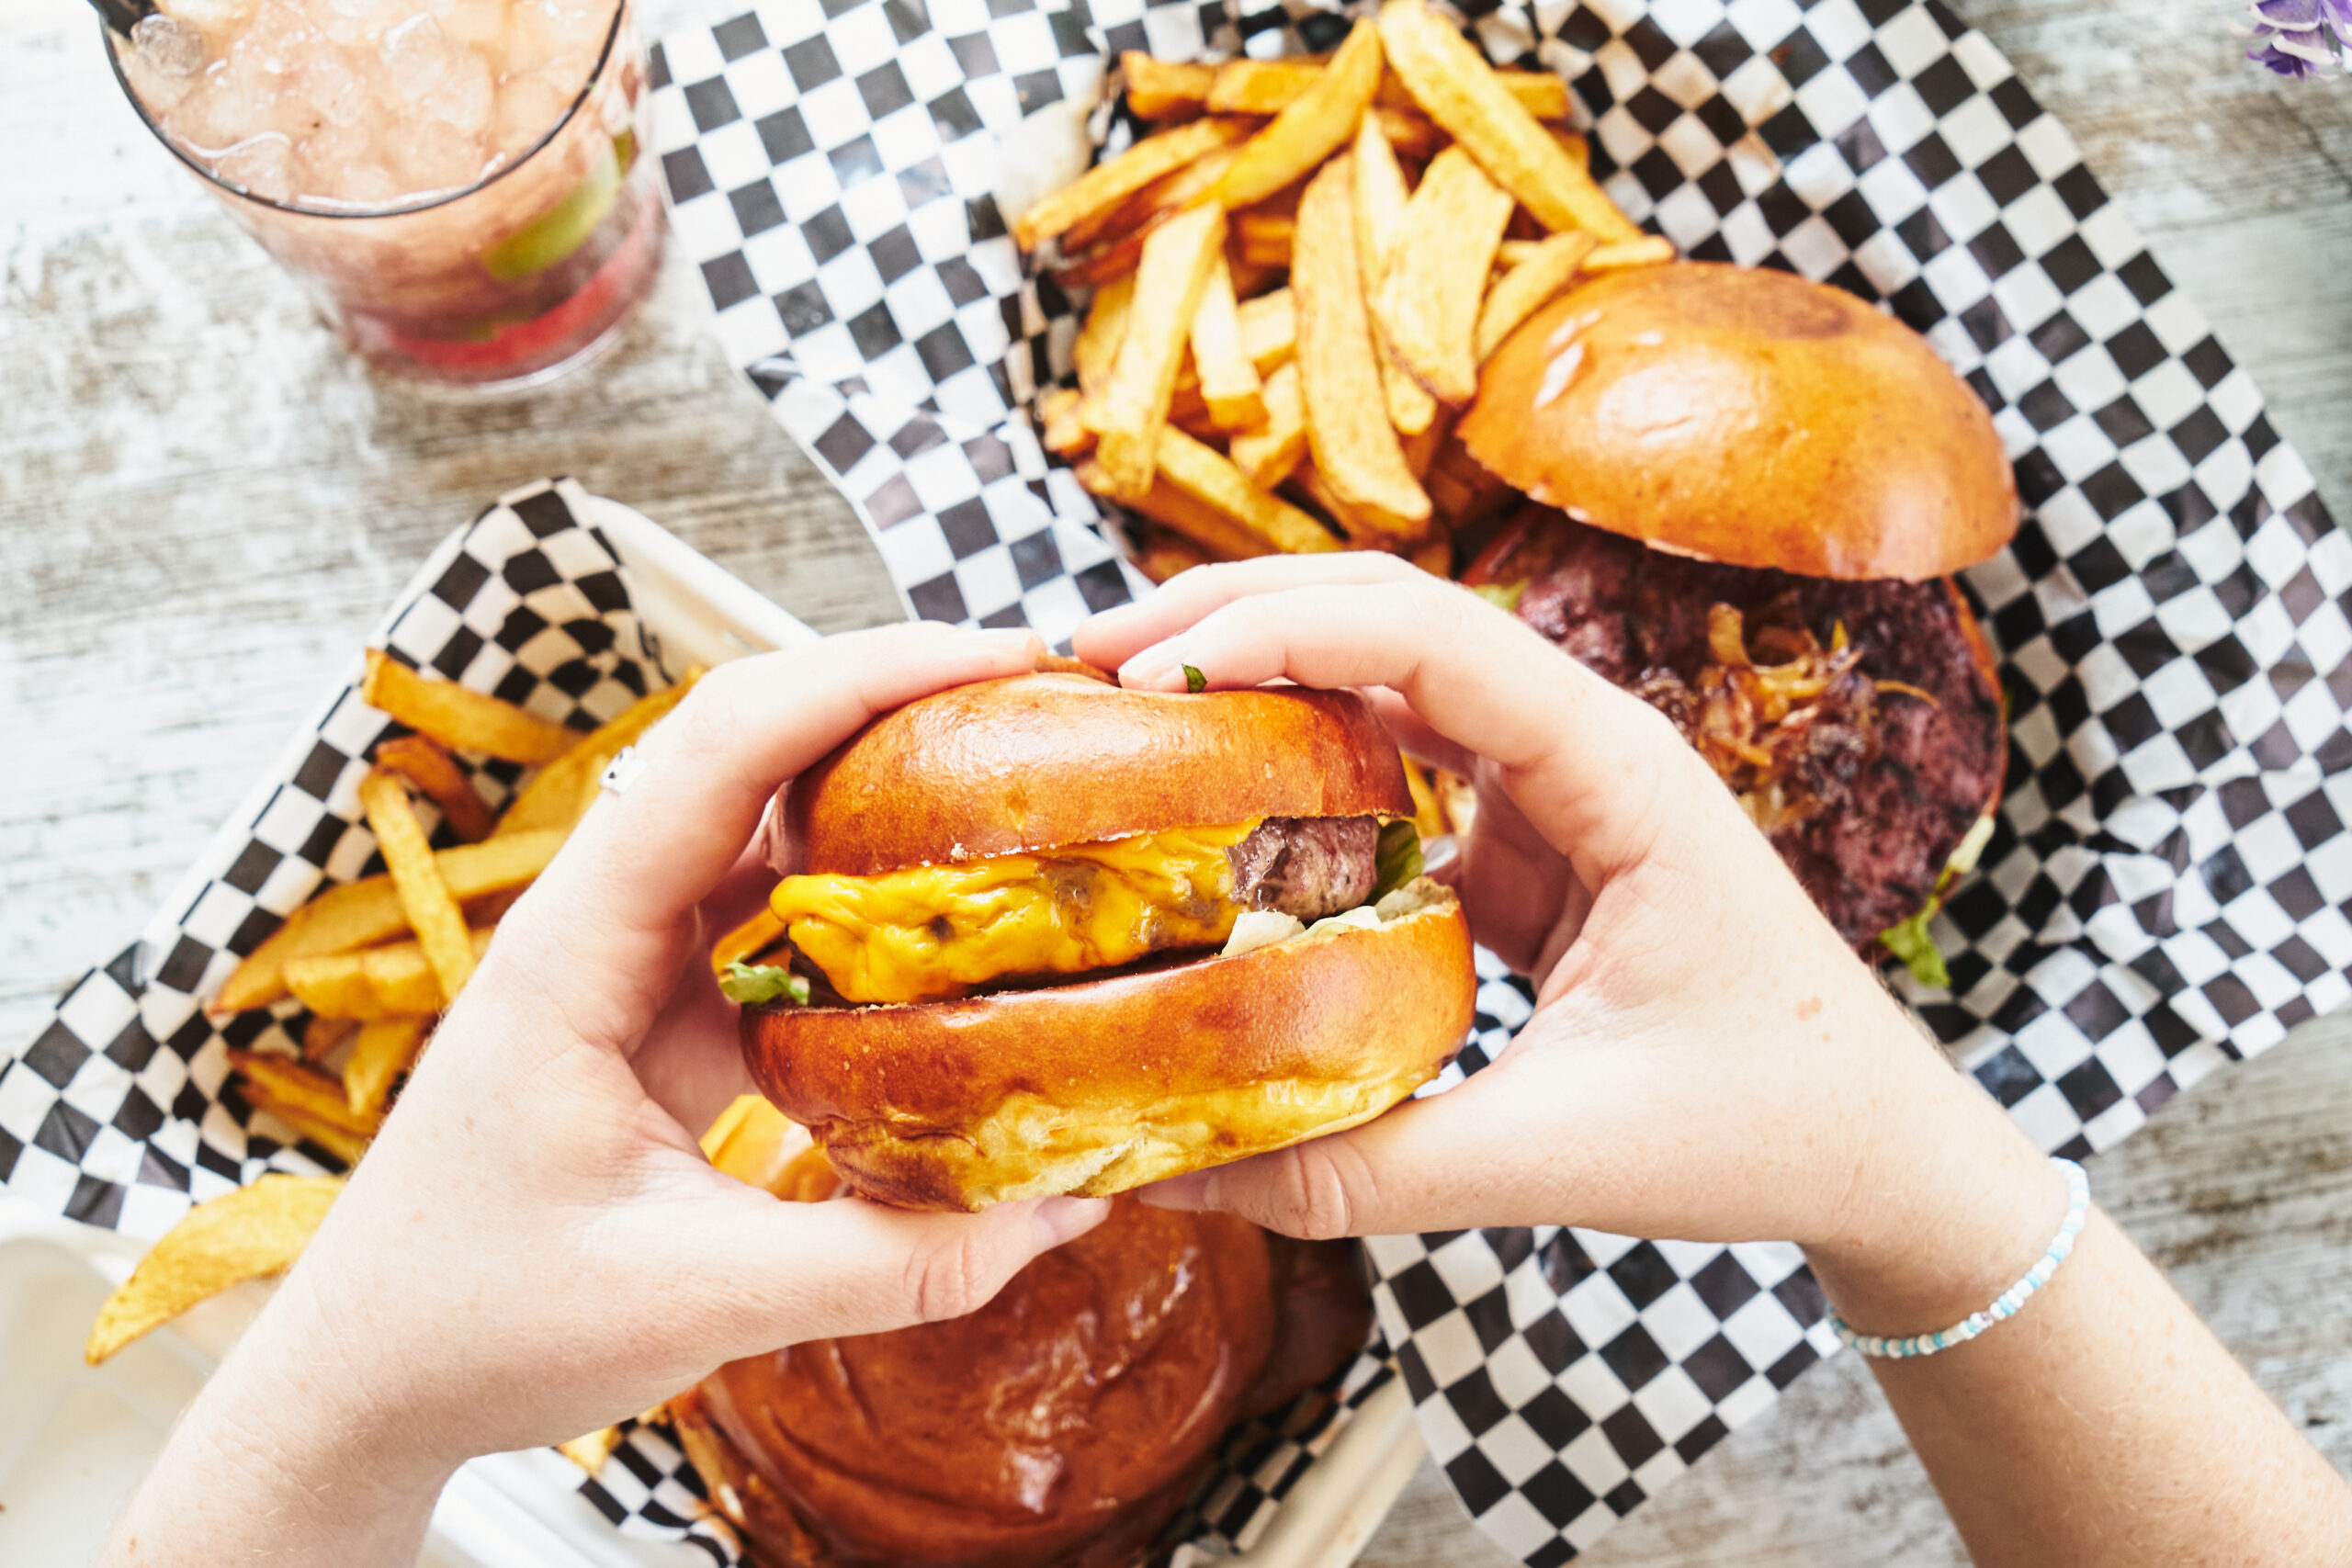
2168	884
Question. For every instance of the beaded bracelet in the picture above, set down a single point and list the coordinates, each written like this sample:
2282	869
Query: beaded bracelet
2005	1304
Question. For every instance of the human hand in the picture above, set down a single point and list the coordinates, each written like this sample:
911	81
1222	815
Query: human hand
534	1245
1707	1059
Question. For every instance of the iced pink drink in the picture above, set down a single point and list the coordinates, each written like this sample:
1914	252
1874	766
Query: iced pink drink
460	184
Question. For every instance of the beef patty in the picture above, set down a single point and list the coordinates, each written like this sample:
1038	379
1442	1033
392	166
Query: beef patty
1307	866
1908	756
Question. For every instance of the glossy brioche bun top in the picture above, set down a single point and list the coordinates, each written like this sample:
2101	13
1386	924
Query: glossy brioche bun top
1050	759
1750	417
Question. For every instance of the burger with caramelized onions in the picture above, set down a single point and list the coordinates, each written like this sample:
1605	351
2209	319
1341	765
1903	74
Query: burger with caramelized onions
1747	496
1045	935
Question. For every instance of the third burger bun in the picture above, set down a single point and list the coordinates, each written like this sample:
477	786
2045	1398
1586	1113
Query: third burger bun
1747	417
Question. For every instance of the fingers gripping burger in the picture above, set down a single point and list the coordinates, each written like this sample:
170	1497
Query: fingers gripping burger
1058	937
1747	496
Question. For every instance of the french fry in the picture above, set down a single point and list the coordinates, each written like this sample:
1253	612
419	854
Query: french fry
1208	476
1459	799
1429	816
1311	126
1413	135
1434	555
384	1050
340	1141
1364	531
1217	534
1427	305
1157	88
1422	446
1266	456
1097	348
1527	287
1265	238
322	1034
589	1451
312	1095
435	775
1166	553
1133	219
1133	406
1572	144
1458	90
1462	491
563	790
1269	330
1064	434
1248	277
1379	202
249	1233
1229	382
391	981
1647	250
340	919
1261	86
1105	185
1542	93
1347	428
461	718
432	908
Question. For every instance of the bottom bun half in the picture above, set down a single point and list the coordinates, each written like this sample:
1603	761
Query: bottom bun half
1105	1085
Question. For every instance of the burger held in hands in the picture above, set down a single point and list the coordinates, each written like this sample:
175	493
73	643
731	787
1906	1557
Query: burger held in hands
1045	935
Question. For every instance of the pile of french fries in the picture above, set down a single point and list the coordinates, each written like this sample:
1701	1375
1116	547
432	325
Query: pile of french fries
1295	279
364	969
374	963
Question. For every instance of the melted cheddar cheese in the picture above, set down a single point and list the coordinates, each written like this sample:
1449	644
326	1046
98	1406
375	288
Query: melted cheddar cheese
935	931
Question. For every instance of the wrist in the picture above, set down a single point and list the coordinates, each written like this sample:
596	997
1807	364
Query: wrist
1943	1219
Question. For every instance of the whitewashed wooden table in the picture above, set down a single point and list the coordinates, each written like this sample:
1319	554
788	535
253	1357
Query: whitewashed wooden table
203	504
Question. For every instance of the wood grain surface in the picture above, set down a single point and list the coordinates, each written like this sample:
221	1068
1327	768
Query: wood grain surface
204	505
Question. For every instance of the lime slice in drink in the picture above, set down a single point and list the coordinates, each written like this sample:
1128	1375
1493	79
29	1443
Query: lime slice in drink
563	228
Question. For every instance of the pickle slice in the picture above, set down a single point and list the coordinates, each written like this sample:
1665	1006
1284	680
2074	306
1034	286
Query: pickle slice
565	227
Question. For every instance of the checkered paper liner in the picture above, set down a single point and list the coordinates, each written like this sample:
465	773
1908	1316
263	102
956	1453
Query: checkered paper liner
2166	887
121	1113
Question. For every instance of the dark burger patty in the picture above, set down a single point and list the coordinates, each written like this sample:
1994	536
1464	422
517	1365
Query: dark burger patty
1628	611
1307	866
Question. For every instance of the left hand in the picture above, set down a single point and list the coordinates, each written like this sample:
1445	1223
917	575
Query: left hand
534	1246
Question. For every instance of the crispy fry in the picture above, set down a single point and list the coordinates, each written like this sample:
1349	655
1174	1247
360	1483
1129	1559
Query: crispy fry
1097	348
1311	126
1434	555
1157	88
432	908
1572	144
1207	476
1427	307
564	788
1133	405
322	1034
342	919
461	718
1647	250
340	1141
1167	552
1363	532
1266	456
1269	330
1542	93
384	1051
1339	372
249	1233
1228	381
1380	201
435	774
1064	434
1529	286
1248	277
310	1094
1459	799
1204	524
1429	816
589	1451
1108	184
1127	225
1413	135
1458	90
1261	86
1422	446
1264	237
393	981
753	1143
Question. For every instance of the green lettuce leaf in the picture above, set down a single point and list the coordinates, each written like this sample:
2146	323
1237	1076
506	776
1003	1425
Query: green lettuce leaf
1910	943
750	985
1399	859
1504	595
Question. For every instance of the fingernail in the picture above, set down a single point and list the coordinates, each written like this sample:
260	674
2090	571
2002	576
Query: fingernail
1188	1193
1161	669
1013	640
1066	1218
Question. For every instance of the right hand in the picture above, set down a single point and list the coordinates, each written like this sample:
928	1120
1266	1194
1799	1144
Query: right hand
1707	1060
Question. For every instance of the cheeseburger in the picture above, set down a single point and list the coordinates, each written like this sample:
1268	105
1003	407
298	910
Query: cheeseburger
1045	935
1747	495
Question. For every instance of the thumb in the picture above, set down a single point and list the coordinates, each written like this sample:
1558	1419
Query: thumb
848	1266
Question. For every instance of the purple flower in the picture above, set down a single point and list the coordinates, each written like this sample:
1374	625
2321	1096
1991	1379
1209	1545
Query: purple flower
2300	38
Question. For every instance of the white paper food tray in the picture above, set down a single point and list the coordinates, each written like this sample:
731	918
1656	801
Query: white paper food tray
75	1440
